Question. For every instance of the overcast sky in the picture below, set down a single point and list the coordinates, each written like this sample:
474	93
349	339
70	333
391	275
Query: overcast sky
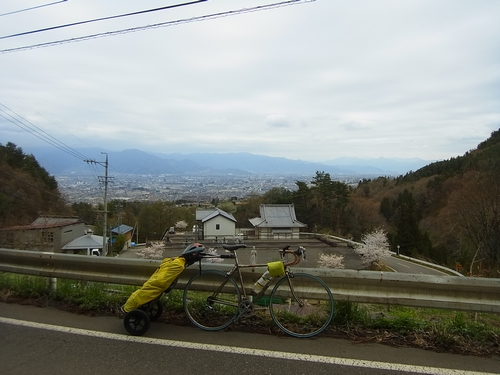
314	81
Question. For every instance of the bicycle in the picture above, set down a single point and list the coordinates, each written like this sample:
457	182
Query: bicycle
300	304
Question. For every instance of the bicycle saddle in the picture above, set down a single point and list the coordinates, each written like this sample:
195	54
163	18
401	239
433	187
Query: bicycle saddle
234	247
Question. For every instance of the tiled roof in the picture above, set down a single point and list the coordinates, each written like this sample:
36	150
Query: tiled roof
277	216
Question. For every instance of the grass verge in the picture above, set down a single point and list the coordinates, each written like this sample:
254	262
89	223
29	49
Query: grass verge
431	329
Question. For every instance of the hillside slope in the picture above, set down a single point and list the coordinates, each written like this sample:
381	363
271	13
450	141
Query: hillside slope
447	211
27	190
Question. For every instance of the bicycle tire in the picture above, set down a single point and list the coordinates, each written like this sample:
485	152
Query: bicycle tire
306	316
209	310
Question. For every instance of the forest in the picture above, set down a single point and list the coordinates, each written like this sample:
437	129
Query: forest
447	212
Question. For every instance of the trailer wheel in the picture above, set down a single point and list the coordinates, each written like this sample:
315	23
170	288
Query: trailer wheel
136	322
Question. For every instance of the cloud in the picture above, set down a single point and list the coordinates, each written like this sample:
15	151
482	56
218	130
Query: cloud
314	82
278	121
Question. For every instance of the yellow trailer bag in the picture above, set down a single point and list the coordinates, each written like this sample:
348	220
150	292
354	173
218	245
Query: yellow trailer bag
165	275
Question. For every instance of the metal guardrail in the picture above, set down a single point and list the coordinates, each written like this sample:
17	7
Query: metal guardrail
448	292
405	257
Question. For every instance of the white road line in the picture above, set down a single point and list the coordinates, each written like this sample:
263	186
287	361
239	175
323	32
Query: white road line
248	351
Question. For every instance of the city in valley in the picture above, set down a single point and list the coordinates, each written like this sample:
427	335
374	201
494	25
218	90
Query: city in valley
193	188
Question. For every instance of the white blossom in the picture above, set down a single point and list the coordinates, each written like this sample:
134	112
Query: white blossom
331	261
213	251
374	246
181	224
155	251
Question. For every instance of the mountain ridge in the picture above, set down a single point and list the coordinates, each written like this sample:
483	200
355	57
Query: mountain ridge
134	161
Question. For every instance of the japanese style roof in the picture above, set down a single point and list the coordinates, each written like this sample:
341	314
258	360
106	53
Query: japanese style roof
277	216
205	215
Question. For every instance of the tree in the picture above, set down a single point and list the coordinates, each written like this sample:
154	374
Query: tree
476	209
27	189
331	199
406	221
154	220
331	261
154	251
118	243
374	246
277	195
181	224
84	211
302	200
248	210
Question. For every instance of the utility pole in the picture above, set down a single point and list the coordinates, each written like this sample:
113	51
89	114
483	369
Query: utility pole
105	225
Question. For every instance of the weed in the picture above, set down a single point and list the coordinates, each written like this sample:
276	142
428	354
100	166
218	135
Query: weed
444	330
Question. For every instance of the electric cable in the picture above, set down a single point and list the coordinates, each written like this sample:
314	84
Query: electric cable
41	134
33	186
24	124
103	19
158	25
32	8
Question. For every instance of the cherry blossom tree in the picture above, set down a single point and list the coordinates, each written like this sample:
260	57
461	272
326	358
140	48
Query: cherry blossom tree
213	251
155	251
181	224
374	246
331	261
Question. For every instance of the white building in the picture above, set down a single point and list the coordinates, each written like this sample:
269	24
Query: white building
214	224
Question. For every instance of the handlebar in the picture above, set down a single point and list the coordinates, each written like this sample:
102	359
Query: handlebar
298	255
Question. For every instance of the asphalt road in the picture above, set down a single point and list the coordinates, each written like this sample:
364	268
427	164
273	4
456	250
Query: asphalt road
267	251
42	341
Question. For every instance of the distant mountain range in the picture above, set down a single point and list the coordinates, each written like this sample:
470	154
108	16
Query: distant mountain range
58	162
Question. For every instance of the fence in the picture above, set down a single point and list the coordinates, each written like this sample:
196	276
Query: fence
448	292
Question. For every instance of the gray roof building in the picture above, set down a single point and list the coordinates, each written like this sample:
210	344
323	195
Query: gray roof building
88	241
277	221
214	224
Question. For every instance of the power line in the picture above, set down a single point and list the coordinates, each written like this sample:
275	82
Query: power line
35	7
103	19
31	128
33	186
24	124
162	24
41	115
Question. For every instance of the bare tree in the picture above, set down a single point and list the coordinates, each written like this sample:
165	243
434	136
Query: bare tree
476	209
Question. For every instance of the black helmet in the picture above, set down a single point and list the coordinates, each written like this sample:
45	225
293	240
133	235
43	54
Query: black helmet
192	253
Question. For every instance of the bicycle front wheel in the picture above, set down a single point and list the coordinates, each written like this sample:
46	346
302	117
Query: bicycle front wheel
302	305
208	308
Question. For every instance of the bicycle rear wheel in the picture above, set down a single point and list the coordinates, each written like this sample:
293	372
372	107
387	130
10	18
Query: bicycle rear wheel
307	311
209	310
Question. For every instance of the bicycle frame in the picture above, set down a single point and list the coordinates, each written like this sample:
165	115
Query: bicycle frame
214	299
237	268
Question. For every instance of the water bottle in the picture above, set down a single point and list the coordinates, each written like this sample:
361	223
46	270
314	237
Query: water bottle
264	280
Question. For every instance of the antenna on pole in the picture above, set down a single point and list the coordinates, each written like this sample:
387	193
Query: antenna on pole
106	179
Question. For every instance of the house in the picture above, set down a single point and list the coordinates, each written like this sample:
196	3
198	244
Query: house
125	230
214	224
46	233
89	244
277	221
